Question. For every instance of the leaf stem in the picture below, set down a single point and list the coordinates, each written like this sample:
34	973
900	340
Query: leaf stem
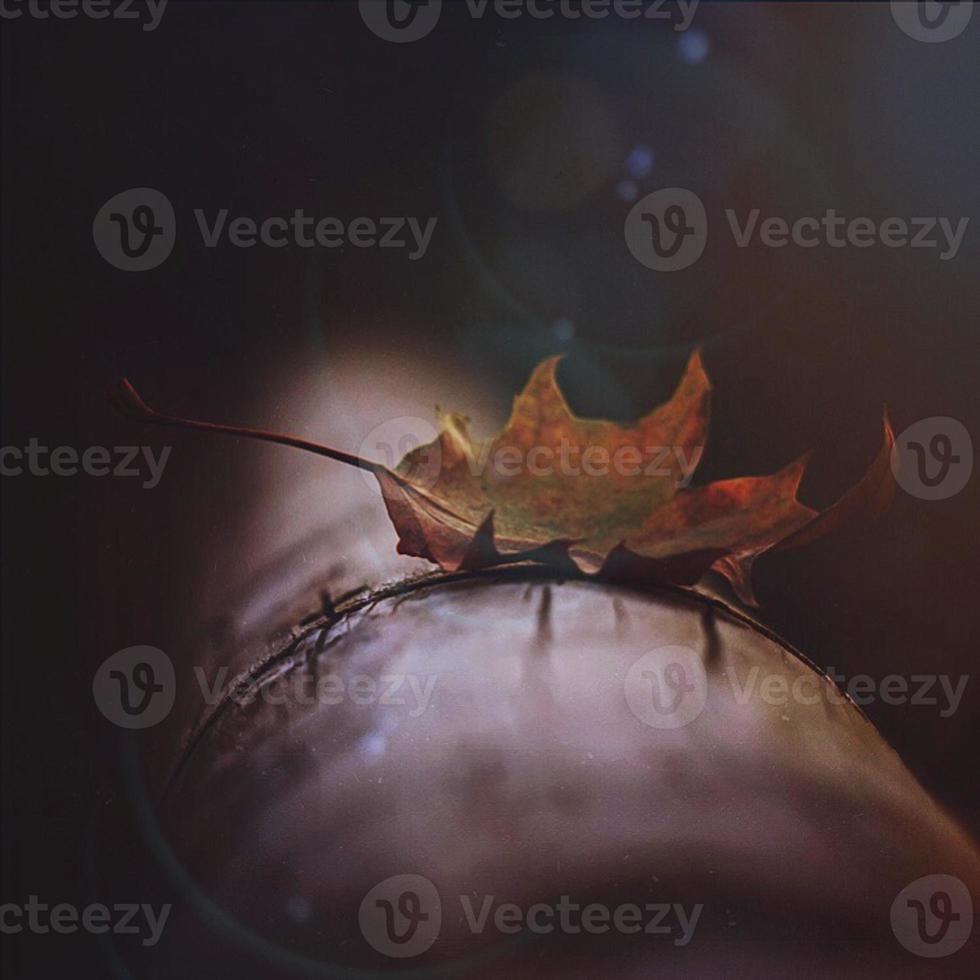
129	402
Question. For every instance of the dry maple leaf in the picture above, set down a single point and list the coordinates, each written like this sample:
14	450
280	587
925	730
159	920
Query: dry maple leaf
463	503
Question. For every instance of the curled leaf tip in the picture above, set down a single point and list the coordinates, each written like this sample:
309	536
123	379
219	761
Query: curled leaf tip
127	399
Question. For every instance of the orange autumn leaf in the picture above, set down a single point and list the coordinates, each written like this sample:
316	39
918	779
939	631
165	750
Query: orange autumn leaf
605	498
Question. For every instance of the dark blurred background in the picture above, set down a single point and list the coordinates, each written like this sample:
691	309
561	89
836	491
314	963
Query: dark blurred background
529	140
